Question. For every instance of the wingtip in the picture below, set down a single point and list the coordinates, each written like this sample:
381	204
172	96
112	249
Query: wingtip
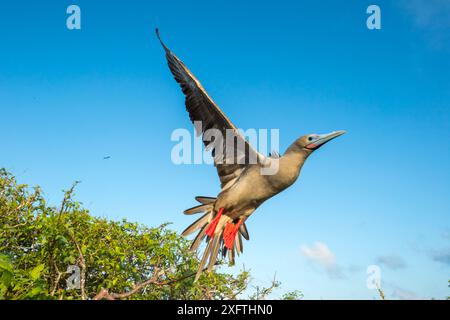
159	38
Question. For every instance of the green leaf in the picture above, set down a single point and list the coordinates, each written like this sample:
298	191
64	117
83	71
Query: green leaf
5	264
36	272
6	278
35	291
61	239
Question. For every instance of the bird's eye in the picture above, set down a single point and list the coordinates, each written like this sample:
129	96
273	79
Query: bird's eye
310	138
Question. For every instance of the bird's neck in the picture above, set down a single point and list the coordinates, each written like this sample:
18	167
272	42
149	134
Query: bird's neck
291	164
297	154
295	157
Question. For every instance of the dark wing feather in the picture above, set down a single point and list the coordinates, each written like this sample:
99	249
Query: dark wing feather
201	108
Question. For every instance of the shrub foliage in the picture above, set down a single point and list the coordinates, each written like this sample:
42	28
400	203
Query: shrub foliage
44	248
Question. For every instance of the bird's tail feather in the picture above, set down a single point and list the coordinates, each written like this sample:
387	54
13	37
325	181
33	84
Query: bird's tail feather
214	245
212	226
197	224
198	209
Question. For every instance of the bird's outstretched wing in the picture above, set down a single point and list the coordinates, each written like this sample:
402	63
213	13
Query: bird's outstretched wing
232	153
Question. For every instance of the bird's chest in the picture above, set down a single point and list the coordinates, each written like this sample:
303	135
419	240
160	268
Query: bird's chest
284	178
253	188
246	194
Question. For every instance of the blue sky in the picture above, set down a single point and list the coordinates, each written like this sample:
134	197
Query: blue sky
378	195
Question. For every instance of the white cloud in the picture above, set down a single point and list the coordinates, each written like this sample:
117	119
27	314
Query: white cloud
429	13
393	261
432	16
321	255
403	294
400	293
442	255
446	234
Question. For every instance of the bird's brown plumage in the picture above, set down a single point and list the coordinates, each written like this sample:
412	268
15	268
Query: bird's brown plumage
244	187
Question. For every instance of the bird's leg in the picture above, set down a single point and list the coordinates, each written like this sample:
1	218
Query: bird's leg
213	224
229	234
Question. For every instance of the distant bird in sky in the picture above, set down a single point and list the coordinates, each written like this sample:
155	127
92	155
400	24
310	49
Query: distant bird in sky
243	186
107	158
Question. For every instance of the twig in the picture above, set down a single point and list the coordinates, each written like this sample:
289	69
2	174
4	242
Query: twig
105	294
380	292
82	264
58	278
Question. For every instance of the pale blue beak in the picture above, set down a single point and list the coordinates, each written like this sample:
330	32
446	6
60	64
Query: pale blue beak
321	139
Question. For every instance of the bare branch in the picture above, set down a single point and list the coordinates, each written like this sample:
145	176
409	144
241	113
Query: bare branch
105	294
58	278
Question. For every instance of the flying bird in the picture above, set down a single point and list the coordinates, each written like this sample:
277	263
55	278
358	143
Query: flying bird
244	183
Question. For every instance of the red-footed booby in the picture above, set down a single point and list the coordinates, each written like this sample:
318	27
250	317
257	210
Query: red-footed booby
244	186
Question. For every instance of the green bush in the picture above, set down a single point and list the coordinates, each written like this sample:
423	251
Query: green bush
115	260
